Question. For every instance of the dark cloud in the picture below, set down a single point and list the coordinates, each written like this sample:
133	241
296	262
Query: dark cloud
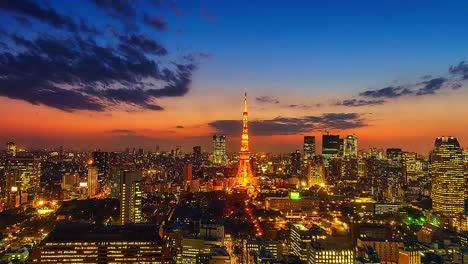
47	15
456	86
361	102
140	41
461	70
267	99
79	74
291	126
302	106
117	8
122	131
207	15
179	126
431	86
156	22
387	92
23	21
174	7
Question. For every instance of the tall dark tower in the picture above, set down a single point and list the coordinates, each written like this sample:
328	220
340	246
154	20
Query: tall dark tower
309	147
244	173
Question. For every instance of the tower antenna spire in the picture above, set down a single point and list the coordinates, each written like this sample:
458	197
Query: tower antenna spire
245	101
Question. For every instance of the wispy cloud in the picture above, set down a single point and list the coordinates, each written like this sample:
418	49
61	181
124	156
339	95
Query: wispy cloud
360	102
267	99
429	86
291	125
387	92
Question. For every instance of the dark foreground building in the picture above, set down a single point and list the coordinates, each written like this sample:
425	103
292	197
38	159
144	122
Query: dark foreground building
87	243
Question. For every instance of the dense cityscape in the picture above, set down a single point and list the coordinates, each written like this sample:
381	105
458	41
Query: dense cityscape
233	132
340	204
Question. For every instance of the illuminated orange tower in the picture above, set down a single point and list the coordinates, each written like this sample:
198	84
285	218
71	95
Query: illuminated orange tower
244	175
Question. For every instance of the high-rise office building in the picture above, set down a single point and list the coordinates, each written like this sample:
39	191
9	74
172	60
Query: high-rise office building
130	197
350	145
299	237
395	157
309	147
93	184
410	166
188	172
219	149
24	174
296	163
447	169
178	152
11	149
315	171
330	147
394	174
197	155
101	162
341	148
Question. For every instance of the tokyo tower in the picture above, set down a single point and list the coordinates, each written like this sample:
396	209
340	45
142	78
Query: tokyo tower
244	175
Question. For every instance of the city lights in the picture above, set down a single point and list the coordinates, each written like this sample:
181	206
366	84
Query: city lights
233	132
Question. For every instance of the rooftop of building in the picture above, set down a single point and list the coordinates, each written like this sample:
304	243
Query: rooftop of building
380	239
301	227
84	232
218	251
330	245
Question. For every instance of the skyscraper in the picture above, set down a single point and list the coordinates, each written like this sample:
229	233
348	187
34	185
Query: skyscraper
244	175
101	162
330	147
296	162
409	166
448	188
350	146
188	172
219	149
11	149
23	175
309	147
299	237
197	155
315	171
130	197
92	180
395	157
178	152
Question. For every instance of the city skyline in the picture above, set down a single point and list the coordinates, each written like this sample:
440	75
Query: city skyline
305	75
233	132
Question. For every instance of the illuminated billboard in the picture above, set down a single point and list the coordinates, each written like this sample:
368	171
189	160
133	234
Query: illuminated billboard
295	195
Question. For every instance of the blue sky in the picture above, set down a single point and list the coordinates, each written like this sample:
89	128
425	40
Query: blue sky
335	45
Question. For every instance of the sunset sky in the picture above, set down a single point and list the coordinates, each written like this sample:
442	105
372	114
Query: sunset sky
111	74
